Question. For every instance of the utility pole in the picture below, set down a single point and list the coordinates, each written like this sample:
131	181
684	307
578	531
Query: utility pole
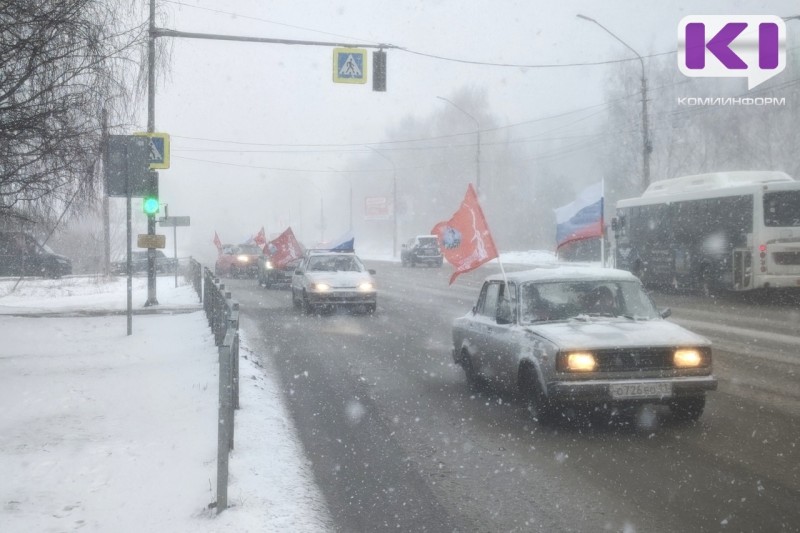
151	127
478	150
647	146
106	217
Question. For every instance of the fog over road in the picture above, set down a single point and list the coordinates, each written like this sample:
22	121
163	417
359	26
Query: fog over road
397	442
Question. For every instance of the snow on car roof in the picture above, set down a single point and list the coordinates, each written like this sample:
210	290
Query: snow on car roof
564	273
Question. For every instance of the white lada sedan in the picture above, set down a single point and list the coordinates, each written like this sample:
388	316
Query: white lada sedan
326	279
572	337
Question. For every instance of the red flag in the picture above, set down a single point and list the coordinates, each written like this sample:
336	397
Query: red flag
283	249
465	239
217	243
261	238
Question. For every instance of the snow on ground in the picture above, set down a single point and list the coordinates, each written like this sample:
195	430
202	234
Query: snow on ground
102	431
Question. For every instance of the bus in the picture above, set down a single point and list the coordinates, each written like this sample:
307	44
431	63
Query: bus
727	230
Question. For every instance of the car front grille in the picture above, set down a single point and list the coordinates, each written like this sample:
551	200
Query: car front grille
634	359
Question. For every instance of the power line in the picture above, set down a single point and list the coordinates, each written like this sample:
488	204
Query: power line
430	55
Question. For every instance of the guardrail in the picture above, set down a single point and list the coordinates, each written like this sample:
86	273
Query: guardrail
223	318
195	276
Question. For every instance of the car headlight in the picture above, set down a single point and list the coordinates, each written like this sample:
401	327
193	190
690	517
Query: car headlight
243	259
321	287
687	358
366	286
269	265
579	362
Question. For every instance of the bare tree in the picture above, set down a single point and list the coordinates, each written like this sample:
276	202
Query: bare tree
63	61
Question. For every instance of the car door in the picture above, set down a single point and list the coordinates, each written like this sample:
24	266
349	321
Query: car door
482	323
297	279
502	336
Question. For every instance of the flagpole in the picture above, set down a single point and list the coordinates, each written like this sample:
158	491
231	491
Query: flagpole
602	224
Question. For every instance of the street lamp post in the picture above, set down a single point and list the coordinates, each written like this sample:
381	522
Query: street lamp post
478	151
394	200
647	147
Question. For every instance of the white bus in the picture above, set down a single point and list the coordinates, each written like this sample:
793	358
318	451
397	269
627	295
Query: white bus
728	230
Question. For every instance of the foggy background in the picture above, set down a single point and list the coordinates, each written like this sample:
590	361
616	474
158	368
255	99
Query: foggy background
262	136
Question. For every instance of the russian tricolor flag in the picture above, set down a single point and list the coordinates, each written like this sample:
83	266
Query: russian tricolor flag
582	218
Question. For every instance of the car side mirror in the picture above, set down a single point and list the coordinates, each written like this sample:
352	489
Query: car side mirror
666	313
298	272
371	271
614	224
474	309
403	246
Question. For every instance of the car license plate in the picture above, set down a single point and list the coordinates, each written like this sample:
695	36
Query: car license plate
640	390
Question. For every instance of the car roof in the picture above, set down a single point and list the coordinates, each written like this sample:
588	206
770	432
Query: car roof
566	273
330	253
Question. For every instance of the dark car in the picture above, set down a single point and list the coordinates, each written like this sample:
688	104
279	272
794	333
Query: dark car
164	264
566	338
238	261
421	250
21	254
269	276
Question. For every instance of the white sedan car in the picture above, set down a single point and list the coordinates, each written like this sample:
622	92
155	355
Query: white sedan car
570	337
325	279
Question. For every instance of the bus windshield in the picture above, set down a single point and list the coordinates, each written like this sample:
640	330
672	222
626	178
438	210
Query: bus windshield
782	209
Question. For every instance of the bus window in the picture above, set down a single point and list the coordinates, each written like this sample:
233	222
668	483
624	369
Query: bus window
782	209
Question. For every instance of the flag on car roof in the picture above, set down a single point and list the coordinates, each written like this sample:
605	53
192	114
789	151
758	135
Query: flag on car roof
344	243
217	243
261	238
582	218
283	249
465	239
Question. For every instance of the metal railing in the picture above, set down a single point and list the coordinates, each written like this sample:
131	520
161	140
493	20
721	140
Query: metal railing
195	275
223	318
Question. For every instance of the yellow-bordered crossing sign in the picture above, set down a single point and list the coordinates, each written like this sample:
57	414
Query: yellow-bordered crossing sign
159	149
350	65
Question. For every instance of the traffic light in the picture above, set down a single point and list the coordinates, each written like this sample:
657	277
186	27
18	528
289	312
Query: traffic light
150	205
379	71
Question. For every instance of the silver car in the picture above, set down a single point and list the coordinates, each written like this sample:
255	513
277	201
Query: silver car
328	279
568	337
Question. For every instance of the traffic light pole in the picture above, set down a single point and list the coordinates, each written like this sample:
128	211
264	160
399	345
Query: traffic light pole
151	127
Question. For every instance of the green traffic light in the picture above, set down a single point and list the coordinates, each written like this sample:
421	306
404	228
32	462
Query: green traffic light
150	205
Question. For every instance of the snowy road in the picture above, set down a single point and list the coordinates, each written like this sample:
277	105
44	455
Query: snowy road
397	442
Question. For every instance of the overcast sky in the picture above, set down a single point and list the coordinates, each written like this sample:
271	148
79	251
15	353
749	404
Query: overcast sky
277	97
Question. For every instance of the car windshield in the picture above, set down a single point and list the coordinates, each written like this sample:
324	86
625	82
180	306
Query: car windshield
327	263
562	300
428	242
249	249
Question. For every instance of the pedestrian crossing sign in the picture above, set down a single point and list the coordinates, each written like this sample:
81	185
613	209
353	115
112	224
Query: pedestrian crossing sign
159	149
349	65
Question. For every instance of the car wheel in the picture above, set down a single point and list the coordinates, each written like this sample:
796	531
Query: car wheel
268	282
439	264
688	409
305	307
371	308
537	405
412	263
475	381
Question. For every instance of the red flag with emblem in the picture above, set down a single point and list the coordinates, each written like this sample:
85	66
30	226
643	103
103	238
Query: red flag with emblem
283	248
465	239
217	243
261	238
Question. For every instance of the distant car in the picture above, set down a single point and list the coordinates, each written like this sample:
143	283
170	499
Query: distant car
573	337
238	261
269	276
328	279
21	254
164	264
421	250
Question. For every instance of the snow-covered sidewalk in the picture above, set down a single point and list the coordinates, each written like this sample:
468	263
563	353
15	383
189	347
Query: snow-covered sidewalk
101	431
